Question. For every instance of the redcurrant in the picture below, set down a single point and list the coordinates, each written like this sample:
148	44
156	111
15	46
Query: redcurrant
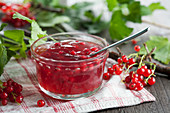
4	84
40	103
131	61
147	72
73	52
151	81
140	71
119	60
137	48
139	86
134	80
127	79
118	70
140	78
110	70
3	95
124	58
19	99
4	102
106	76
134	41
132	86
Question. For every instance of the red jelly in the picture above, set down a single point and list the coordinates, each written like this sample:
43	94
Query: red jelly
64	68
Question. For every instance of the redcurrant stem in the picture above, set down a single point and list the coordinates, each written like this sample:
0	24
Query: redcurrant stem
130	67
124	66
28	46
151	65
13	94
1	84
27	37
134	54
140	63
148	78
8	40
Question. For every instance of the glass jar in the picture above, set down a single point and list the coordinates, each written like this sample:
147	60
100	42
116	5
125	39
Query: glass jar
62	77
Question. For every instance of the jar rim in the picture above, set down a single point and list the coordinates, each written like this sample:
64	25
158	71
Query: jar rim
105	53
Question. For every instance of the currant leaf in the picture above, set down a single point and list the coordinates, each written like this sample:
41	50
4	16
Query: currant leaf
51	19
36	31
148	10
155	6
3	58
2	26
111	4
162	45
19	16
135	12
17	36
118	28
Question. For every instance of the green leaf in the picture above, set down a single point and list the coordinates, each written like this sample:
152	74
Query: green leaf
96	27
145	10
48	15
23	49
53	21
15	35
2	26
14	48
26	1
155	6
148	10
19	16
125	1
77	10
111	4
10	54
35	32
162	52
52	3
78	14
3	58
81	5
135	12
1	40
118	29
18	37
89	14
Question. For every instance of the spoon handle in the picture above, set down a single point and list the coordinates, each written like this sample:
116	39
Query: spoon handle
123	40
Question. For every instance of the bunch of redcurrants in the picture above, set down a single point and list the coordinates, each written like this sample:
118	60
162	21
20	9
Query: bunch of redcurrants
134	80
10	91
10	9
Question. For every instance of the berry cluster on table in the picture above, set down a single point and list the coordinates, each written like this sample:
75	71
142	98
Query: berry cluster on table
135	79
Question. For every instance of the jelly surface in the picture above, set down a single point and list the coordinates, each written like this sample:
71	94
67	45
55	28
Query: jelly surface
67	50
69	78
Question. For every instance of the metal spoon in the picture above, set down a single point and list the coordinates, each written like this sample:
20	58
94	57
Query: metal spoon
122	41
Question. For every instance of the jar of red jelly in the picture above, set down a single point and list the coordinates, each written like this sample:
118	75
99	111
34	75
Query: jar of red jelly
64	67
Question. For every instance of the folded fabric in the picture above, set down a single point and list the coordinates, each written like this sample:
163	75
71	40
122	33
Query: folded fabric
112	94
